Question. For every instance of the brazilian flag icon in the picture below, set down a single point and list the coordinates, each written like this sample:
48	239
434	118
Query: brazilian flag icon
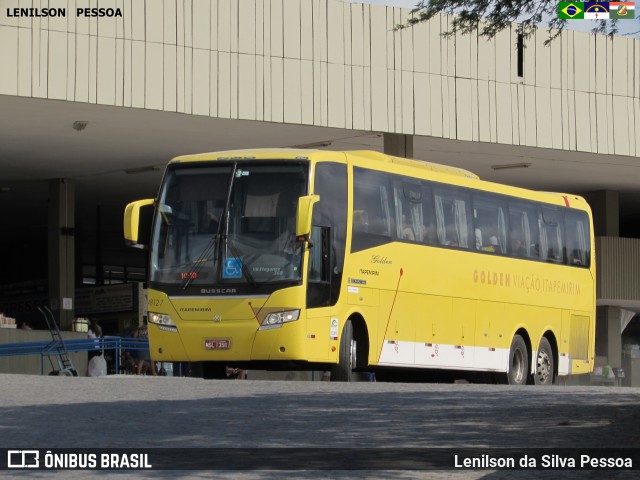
570	10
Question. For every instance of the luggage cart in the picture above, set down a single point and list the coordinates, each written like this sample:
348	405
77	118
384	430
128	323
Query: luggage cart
56	348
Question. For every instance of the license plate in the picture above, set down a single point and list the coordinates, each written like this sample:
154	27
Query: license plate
217	344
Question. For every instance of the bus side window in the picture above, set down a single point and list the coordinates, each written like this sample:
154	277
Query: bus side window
372	223
489	215
524	235
407	200
551	235
360	221
577	238
428	227
518	247
453	219
320	255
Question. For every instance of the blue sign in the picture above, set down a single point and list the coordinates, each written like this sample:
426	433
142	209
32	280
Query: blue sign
232	268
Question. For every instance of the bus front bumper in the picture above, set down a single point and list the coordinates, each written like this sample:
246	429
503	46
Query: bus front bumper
233	341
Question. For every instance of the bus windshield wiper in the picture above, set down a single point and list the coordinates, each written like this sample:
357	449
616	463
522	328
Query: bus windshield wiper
213	246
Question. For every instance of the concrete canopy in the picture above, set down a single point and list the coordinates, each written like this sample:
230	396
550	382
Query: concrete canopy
121	154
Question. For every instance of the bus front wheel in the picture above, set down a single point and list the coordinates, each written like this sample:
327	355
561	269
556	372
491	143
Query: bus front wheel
544	364
518	362
343	371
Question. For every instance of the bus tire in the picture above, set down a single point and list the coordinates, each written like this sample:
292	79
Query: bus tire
544	364
518	362
343	371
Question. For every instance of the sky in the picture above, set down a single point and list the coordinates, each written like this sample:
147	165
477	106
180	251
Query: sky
625	26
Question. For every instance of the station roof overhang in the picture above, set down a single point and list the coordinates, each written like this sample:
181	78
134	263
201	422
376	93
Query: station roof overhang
120	154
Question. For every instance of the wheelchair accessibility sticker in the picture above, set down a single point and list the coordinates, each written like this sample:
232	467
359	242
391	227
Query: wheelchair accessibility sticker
232	268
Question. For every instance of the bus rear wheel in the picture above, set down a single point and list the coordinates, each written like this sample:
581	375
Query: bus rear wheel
343	371
518	362
544	364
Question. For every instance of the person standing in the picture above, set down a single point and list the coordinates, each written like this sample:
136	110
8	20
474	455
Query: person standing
97	364
95	331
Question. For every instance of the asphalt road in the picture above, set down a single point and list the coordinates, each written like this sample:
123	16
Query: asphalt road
165	412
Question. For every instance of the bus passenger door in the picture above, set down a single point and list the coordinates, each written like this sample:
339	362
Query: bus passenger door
319	294
326	261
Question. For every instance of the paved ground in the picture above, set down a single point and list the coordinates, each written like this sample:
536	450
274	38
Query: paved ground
164	412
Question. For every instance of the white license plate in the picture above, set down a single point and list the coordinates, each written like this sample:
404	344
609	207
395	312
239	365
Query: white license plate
217	344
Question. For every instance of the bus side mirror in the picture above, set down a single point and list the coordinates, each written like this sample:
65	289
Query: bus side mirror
137	223
303	216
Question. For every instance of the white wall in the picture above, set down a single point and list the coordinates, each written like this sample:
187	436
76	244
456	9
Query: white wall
328	63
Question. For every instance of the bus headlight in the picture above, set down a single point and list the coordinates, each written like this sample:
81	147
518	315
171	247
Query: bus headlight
277	319
161	319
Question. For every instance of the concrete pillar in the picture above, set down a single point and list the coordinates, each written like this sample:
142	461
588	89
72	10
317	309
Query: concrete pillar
605	205
608	335
61	248
398	145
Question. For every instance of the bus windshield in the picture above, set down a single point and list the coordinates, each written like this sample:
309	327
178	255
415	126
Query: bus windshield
228	224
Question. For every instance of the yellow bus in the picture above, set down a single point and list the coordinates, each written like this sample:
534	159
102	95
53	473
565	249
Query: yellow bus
360	261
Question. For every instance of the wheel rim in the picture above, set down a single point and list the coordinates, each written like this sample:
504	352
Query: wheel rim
543	370
518	366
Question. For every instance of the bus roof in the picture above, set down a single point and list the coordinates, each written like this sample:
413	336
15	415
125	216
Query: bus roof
260	154
409	162
274	153
373	157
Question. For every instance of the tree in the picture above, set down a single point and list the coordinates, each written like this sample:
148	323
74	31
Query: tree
488	17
